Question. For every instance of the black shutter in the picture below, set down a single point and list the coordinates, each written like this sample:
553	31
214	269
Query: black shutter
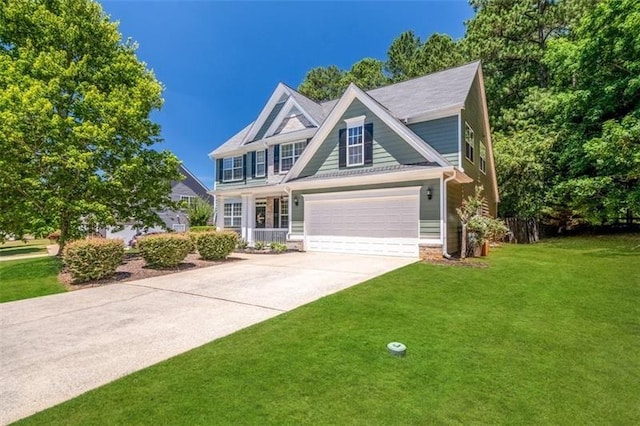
244	167
276	159
276	212
253	164
219	170
342	148
368	143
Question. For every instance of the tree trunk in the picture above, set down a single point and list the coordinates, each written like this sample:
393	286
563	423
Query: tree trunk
523	231
65	227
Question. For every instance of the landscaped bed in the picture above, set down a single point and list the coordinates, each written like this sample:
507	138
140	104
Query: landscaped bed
546	334
134	268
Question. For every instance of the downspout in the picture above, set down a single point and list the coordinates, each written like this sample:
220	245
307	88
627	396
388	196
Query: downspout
443	210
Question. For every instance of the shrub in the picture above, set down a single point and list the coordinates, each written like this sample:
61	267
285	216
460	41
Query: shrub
193	237
217	245
93	258
164	250
243	244
202	229
259	245
200	211
278	247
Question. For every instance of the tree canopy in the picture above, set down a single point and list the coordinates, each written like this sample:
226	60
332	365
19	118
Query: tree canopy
75	130
563	89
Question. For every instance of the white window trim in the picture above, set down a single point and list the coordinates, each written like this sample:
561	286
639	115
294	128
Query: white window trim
263	163
482	159
468	128
233	168
357	145
293	155
280	210
234	215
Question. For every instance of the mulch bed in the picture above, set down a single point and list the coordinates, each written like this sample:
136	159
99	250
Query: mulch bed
456	261
133	268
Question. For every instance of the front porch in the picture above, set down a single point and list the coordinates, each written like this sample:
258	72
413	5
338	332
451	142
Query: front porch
256	218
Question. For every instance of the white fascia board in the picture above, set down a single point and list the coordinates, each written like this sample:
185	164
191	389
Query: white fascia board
352	93
284	112
434	114
390	178
280	90
406	191
298	135
487	129
401	176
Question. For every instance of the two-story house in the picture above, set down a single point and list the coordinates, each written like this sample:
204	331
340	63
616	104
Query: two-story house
377	172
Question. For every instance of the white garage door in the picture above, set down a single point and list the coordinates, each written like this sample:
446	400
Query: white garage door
384	222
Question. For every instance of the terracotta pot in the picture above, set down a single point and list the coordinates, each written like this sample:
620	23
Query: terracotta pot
485	249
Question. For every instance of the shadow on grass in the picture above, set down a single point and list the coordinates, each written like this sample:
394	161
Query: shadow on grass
13	251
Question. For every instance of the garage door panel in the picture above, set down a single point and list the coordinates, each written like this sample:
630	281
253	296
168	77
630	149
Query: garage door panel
385	225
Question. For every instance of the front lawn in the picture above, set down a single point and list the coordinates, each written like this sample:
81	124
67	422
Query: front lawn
547	334
22	279
19	247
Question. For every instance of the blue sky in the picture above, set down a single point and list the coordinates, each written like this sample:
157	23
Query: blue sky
220	61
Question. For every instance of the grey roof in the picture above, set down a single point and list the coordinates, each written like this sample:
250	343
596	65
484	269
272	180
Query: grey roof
233	142
368	171
314	109
432	92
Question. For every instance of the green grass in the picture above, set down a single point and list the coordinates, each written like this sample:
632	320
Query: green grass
547	334
17	248
23	279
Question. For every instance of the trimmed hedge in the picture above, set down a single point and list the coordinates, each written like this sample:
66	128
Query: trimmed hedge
202	229
164	250
216	245
93	258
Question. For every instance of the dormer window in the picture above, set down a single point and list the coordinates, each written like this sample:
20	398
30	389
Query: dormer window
232	169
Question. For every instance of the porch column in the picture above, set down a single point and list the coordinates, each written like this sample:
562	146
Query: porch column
247	217
250	204
219	212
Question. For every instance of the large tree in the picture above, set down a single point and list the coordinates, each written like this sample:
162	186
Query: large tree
408	57
596	83
511	37
75	130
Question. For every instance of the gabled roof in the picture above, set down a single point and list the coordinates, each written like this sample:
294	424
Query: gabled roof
434	92
233	143
354	92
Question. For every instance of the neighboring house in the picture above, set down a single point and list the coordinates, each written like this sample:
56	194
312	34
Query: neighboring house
377	172
184	191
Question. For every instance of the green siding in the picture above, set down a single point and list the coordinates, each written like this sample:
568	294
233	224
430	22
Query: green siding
272	116
429	209
441	134
245	183
474	115
388	148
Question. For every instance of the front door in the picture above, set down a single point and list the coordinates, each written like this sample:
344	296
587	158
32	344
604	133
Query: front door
261	214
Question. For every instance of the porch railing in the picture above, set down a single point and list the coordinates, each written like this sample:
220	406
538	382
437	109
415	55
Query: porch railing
270	235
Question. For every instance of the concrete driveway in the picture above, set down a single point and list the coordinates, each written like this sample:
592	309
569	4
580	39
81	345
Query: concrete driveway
56	347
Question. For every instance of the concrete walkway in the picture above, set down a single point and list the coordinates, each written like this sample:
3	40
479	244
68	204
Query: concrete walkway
56	347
